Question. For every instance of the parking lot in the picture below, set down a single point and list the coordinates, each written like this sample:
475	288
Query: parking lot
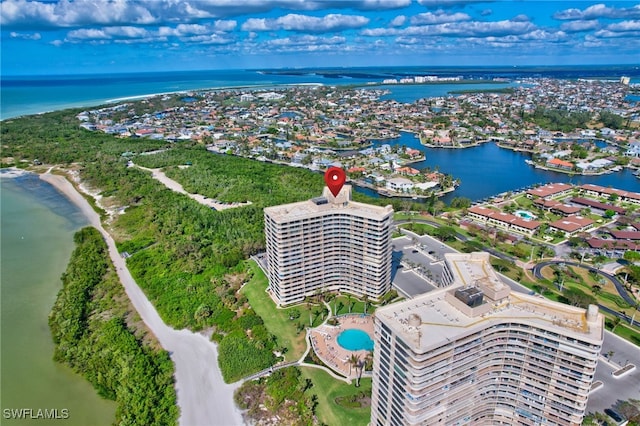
418	264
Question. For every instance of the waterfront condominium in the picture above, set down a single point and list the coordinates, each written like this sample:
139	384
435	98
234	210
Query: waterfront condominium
477	353
328	243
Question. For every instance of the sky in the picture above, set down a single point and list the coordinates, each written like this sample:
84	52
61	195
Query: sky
109	36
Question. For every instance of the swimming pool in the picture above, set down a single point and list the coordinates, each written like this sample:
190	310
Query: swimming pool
353	339
525	214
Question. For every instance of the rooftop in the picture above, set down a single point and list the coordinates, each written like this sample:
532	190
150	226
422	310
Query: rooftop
327	203
433	318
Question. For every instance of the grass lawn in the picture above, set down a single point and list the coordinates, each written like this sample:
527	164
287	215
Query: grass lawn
626	332
328	389
523	201
277	320
419	228
341	303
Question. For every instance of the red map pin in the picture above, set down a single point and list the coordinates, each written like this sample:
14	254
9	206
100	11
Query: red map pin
335	178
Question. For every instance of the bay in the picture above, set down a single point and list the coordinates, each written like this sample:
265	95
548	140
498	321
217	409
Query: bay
38	224
488	170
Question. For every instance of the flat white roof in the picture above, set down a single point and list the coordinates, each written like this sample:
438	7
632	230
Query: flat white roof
429	320
340	204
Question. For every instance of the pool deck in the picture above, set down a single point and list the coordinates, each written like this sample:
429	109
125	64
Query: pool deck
325	345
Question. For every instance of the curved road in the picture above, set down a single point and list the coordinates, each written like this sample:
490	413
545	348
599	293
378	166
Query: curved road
537	272
616	282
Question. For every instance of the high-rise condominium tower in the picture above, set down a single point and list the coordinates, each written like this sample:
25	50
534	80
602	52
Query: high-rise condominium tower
328	243
476	353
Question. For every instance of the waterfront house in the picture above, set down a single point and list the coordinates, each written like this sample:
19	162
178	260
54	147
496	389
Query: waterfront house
600	191
595	165
550	190
559	164
399	184
633	150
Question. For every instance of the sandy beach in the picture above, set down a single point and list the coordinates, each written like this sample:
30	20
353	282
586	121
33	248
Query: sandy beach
203	397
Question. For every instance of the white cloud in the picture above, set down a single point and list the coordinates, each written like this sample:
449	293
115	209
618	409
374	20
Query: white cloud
87	34
225	25
25	36
624	26
446	3
598	11
520	18
618	34
380	32
259	24
398	21
452	29
79	13
439	17
579	26
304	23
209	39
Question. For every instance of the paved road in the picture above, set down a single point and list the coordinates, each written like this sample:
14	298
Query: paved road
203	397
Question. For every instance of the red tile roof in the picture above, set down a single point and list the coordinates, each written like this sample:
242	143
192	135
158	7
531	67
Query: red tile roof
550	189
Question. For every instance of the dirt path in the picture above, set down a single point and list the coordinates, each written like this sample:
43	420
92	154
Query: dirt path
176	187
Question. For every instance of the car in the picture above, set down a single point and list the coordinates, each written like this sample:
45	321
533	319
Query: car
432	252
614	415
414	251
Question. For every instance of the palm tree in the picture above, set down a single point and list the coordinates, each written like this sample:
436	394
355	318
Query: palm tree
354	361
349	301
615	323
368	360
366	300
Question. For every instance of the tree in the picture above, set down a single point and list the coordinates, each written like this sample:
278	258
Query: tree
354	361
349	302
614	323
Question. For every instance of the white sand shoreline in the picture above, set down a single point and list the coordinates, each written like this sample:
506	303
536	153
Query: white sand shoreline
202	396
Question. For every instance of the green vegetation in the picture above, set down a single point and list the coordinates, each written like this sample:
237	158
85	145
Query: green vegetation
285	393
329	411
559	119
95	335
283	323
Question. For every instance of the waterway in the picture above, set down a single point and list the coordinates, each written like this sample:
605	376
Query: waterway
37	225
487	170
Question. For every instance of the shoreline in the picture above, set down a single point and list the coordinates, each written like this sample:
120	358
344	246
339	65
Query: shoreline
202	395
108	101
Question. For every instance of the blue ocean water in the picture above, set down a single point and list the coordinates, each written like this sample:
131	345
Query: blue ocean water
23	95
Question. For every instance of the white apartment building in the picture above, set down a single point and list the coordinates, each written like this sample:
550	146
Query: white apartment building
328	243
476	353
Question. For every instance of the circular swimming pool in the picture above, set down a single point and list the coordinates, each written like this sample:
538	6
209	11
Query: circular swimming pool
353	339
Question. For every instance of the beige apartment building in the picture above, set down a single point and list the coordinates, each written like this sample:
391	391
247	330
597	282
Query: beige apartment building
476	353
328	243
